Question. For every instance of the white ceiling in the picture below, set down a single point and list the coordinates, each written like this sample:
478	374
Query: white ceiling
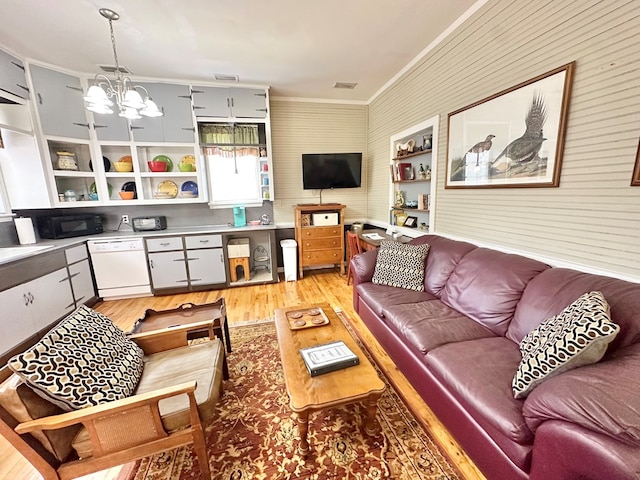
299	48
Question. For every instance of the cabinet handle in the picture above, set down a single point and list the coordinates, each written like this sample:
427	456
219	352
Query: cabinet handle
99	126
193	258
196	279
204	241
77	89
182	281
196	107
134	127
25	297
26	89
80	300
261	95
179	260
196	91
74	275
185	96
165	244
82	124
71	305
62	280
151	263
191	129
39	99
21	67
229	102
261	110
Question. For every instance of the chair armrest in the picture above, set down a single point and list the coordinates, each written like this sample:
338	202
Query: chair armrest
91	414
171	337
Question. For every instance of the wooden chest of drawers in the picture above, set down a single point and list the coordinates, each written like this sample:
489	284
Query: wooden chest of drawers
321	245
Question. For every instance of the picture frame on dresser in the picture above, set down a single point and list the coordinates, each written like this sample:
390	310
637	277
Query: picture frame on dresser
635	179
514	138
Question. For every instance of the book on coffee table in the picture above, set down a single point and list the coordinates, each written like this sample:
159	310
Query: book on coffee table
328	357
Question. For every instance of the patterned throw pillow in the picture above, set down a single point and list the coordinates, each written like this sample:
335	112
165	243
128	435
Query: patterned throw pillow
85	360
401	265
578	336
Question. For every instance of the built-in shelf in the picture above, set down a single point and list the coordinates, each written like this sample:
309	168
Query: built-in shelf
413	154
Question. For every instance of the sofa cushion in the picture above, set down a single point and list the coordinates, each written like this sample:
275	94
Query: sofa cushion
602	397
551	291
427	325
401	265
444	255
486	285
578	336
201	362
478	374
380	297
24	405
85	360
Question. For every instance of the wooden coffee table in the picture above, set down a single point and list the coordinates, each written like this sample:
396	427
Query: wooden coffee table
342	387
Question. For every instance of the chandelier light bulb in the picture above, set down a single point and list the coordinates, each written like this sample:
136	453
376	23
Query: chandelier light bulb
130	113
150	109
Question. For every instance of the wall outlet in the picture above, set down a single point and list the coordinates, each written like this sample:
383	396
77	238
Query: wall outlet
125	219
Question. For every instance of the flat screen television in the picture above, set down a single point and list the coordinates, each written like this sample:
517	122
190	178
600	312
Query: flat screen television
331	170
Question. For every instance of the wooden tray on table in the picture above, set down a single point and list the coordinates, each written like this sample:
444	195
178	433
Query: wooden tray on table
307	318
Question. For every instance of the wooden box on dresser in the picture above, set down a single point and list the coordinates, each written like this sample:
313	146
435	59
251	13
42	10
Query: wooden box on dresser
319	244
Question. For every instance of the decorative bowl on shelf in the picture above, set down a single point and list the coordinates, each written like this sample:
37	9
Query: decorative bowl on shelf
126	195
186	167
165	159
157	166
123	166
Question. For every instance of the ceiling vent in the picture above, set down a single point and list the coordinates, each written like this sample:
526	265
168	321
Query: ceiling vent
347	85
112	69
226	78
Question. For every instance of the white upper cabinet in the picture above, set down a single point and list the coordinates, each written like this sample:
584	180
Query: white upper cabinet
58	97
111	127
176	126
12	75
229	102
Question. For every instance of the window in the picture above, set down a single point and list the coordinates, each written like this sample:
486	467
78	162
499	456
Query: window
232	153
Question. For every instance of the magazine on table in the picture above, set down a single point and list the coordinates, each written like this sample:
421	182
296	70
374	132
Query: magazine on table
328	357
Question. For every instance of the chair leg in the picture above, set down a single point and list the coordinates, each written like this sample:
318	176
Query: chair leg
200	447
348	272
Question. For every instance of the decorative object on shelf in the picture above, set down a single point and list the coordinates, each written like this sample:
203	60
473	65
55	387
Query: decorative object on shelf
157	166
411	222
406	148
106	162
265	219
165	159
70	196
635	180
411	204
187	164
423	201
189	189
126	158
401	218
123	166
124	195
424	227
405	171
130	103
166	189
399	202
422	173
130	187
534	112
426	142
67	161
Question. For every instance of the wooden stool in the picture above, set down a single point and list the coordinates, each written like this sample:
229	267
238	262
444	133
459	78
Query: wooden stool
233	264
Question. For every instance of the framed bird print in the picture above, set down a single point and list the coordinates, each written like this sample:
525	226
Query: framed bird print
514	138
635	180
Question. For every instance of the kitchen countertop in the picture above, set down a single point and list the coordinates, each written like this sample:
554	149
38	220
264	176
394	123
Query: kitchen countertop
14	253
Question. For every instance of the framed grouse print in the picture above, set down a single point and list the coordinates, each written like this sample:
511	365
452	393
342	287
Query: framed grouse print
514	138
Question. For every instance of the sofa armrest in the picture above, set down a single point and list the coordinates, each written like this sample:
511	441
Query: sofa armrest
363	265
602	397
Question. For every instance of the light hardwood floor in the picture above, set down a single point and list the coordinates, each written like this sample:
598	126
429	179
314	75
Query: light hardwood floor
258	302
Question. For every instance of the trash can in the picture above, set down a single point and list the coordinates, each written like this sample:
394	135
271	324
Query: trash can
289	256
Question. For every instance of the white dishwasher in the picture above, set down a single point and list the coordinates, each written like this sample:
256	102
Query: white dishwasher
120	268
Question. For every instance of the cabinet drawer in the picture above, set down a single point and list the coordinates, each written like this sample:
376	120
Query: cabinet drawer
318	232
203	241
322	257
75	254
320	243
164	244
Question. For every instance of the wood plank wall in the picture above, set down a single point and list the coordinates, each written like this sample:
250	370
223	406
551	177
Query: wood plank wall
592	221
311	127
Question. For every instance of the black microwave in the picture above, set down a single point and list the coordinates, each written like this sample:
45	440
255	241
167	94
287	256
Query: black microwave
66	226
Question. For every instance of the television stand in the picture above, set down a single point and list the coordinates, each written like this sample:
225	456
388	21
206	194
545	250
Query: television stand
320	242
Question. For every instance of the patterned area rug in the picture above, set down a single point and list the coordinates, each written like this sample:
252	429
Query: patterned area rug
255	434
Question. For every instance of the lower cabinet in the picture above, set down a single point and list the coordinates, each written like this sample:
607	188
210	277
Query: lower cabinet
82	285
33	306
185	263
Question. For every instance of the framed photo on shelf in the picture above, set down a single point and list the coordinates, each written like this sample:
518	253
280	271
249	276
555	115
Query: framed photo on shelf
401	219
411	222
514	138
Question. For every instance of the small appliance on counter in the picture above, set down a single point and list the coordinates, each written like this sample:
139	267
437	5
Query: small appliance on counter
239	216
144	224
67	226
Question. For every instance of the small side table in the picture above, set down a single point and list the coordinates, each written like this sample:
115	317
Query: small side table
233	265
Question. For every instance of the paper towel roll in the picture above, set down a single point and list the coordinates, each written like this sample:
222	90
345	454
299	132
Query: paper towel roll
24	227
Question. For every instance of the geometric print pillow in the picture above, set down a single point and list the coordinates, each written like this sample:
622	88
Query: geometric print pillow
401	265
578	336
85	360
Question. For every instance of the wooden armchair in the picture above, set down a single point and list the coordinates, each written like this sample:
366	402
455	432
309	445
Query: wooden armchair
125	430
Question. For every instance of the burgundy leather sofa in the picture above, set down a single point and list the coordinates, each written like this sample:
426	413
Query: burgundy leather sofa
458	344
